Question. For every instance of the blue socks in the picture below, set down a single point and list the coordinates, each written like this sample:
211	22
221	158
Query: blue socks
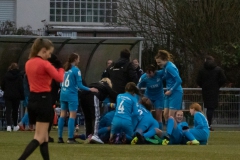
189	135
150	133
60	126
170	126
25	119
160	125
71	127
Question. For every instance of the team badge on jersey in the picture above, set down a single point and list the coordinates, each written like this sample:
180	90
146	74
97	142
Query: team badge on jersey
79	73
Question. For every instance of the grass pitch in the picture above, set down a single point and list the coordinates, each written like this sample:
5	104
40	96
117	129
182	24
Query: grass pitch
222	145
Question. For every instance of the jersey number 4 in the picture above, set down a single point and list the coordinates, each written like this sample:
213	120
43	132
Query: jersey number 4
121	107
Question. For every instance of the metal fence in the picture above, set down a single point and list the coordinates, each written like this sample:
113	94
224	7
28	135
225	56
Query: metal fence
228	112
226	115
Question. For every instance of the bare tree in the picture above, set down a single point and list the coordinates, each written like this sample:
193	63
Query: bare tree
9	28
189	29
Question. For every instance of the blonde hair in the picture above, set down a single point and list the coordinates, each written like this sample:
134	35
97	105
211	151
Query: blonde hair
164	55
196	107
108	81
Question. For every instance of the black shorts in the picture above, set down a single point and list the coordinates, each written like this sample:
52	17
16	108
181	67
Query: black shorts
40	107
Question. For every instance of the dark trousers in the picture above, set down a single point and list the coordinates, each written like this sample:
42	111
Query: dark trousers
51	122
12	111
210	112
87	104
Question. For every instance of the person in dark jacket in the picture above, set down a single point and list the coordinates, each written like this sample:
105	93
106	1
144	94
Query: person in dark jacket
108	63
122	72
210	78
55	87
90	106
137	68
12	85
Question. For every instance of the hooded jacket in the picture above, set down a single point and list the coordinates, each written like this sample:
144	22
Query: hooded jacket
120	73
104	90
12	85
210	78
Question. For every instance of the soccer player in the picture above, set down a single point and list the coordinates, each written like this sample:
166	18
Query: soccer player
125	110
105	126
147	126
40	73
200	132
175	127
69	96
174	93
152	80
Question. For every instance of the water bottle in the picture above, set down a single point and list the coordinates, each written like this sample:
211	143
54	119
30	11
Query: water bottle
183	105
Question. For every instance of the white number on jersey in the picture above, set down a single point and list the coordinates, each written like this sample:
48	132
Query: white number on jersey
121	107
66	82
140	112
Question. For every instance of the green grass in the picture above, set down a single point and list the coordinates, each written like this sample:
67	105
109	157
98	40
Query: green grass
222	145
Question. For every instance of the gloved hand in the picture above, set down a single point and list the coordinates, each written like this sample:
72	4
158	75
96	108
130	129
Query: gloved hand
55	62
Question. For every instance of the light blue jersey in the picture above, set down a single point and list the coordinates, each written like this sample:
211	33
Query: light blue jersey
125	110
154	86
171	75
71	84
147	123
200	130
126	106
174	131
200	121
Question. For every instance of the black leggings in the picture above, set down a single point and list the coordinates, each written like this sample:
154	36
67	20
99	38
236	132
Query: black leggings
12	111
210	112
87	104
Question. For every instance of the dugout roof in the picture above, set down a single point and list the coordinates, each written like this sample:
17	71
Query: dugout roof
94	51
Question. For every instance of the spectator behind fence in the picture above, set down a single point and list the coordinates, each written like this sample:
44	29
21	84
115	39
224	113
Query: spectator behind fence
108	63
122	72
137	68
210	78
12	85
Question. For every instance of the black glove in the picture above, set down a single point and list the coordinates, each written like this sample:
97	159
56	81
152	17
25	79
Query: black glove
57	64
185	128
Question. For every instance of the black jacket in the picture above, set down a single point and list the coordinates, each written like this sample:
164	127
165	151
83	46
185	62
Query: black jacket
210	78
12	85
104	90
121	73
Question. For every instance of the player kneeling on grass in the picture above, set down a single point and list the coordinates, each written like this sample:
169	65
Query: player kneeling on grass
200	132
126	108
147	126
